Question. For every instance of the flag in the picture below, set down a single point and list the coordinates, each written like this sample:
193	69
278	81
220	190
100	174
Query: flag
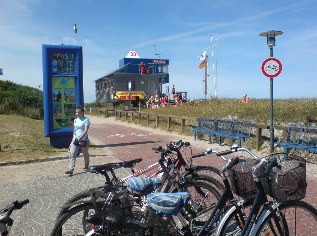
203	60
202	64
1	72
203	56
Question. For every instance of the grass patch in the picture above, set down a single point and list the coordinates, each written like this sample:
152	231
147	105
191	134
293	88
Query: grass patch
22	138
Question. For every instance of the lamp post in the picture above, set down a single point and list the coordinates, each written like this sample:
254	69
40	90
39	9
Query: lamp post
270	39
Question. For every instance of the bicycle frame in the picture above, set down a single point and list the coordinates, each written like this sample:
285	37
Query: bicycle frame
216	214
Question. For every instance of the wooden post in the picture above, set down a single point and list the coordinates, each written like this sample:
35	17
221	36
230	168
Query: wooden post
140	116
131	113
258	137
183	124
148	119
169	121
157	121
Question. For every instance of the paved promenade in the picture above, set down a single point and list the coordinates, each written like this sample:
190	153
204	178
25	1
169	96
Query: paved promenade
47	187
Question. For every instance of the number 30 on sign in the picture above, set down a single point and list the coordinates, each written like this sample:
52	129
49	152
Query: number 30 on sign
271	67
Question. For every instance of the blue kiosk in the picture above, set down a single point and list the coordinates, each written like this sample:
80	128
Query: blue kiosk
62	91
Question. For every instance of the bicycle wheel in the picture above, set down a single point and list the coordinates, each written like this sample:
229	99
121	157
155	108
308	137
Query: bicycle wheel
300	218
208	170
196	212
202	175
233	220
116	220
80	197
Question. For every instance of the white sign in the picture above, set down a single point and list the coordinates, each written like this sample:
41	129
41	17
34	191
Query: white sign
132	54
271	67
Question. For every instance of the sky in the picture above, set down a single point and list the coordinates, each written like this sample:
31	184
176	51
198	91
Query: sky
177	30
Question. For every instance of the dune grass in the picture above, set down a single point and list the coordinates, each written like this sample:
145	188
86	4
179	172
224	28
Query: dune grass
301	111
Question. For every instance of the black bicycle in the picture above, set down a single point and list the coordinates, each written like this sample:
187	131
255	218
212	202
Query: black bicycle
6	222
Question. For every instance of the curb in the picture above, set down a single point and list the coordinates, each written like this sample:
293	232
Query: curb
21	162
46	159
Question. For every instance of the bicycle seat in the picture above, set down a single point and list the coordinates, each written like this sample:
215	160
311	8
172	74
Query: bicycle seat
168	203
100	169
143	186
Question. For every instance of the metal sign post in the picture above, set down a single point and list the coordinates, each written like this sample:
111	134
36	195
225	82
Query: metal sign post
270	36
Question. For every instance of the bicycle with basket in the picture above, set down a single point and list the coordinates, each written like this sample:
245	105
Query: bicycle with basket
284	212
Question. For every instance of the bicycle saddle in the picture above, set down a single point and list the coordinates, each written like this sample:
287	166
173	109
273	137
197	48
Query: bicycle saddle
110	166
168	203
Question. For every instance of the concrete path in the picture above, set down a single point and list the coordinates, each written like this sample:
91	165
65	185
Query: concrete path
47	187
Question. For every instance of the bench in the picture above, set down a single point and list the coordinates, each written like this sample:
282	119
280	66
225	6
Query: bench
240	130
206	126
224	128
301	138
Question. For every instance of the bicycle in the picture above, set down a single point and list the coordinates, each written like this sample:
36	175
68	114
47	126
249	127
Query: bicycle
114	192
184	223
6	222
270	220
272	217
204	173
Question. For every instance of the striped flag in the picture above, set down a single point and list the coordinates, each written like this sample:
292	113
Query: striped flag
203	60
202	64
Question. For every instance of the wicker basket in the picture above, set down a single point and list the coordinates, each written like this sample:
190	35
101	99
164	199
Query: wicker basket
291	182
241	180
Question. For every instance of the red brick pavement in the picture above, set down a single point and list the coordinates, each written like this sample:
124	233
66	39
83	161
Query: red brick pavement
127	142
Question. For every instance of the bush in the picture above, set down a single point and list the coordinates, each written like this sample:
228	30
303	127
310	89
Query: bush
20	100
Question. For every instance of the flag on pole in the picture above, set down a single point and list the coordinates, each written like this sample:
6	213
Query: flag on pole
203	60
203	56
202	64
1	72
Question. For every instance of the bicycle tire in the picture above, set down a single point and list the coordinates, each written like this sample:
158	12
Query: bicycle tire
199	208
300	217
233	220
61	226
71	222
79	197
210	180
210	170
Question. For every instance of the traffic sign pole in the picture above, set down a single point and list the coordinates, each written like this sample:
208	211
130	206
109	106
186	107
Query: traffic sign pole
271	110
271	68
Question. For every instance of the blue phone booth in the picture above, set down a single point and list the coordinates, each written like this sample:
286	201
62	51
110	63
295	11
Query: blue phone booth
62	91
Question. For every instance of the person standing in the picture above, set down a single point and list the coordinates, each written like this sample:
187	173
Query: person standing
245	99
80	140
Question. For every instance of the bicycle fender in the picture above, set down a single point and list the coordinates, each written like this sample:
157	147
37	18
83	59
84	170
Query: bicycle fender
67	206
226	215
261	218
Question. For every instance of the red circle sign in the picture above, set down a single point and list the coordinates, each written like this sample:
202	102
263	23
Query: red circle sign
271	67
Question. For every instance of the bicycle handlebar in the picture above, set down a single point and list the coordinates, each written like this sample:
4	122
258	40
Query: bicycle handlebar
6	212
208	151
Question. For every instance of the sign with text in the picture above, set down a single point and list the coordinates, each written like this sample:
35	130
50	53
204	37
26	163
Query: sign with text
62	91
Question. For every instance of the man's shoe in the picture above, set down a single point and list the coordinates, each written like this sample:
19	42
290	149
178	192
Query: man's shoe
69	172
86	168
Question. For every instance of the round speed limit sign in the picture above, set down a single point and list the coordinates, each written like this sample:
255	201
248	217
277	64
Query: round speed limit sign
271	67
